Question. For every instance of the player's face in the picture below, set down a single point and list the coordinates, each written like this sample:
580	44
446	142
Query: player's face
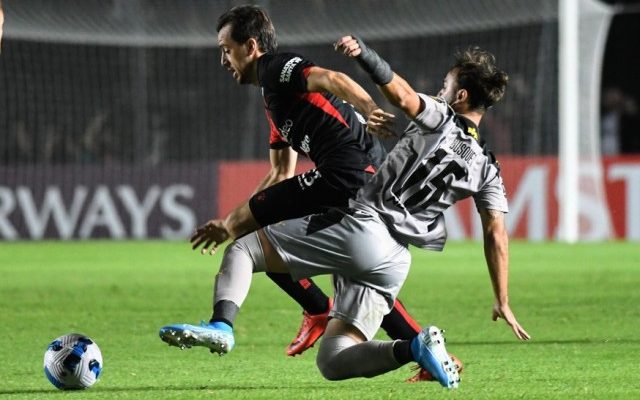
449	90
234	56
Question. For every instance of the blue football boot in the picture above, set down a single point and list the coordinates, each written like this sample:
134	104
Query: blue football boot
216	336
429	351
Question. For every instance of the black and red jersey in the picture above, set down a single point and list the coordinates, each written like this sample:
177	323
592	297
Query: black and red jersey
319	125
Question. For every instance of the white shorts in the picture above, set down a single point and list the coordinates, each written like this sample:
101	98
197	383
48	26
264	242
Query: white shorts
369	265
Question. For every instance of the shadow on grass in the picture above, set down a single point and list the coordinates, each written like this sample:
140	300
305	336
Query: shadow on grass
545	342
116	389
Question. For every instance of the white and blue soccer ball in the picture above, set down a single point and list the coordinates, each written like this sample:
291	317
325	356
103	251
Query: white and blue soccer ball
72	361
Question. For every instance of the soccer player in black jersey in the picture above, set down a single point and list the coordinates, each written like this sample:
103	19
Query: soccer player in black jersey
439	161
310	111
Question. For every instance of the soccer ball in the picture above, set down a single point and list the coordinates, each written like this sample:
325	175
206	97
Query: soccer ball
72	361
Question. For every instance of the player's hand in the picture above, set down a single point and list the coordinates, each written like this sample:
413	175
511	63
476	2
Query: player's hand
380	123
504	311
348	45
213	233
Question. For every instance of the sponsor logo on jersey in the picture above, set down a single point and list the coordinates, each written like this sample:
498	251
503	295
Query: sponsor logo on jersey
285	74
305	144
463	149
473	132
286	129
307	179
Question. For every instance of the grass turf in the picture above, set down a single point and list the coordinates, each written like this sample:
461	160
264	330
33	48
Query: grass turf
580	303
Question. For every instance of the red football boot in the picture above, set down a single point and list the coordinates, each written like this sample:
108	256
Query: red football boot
312	328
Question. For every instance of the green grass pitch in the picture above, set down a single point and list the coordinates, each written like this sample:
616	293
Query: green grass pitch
580	303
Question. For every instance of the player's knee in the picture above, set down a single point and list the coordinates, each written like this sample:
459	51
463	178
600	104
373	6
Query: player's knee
247	247
235	254
325	362
328	361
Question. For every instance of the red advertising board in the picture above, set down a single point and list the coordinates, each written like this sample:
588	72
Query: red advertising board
129	202
531	185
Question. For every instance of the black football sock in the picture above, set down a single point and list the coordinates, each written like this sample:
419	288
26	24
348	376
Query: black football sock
225	311
402	351
304	292
399	324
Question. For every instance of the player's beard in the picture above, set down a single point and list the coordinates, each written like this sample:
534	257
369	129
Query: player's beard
238	76
243	80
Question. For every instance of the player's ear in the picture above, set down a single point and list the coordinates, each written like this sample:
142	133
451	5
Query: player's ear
252	46
462	95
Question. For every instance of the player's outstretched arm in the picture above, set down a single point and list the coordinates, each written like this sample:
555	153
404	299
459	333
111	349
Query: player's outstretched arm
342	86
496	251
216	231
393	87
240	220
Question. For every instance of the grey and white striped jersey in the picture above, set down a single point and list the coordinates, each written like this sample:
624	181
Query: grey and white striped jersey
437	162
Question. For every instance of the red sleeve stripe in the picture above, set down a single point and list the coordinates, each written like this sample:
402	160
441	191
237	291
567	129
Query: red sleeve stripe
320	101
275	136
325	105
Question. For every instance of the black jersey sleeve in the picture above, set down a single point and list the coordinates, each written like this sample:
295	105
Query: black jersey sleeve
283	73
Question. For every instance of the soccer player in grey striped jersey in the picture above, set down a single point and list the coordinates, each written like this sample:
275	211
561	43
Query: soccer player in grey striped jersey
437	162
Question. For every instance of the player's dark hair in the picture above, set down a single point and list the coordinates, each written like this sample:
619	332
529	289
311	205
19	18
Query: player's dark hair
250	22
477	73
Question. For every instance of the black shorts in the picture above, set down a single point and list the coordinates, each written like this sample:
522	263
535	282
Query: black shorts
304	194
